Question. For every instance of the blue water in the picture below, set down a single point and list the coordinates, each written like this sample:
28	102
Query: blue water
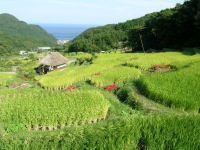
65	31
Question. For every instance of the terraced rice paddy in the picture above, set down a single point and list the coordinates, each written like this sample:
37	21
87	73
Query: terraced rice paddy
115	75
74	74
59	115
146	61
6	78
175	89
52	110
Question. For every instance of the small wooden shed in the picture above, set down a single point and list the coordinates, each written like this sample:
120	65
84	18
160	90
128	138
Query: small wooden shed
51	62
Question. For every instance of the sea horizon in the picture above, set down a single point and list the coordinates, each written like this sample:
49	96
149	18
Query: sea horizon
65	31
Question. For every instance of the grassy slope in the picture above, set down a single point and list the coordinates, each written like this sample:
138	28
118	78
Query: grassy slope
73	74
154	126
175	89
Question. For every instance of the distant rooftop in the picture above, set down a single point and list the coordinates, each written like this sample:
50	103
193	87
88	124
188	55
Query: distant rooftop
53	59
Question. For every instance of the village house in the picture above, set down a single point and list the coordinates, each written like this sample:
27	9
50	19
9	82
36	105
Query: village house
44	49
62	42
22	52
53	61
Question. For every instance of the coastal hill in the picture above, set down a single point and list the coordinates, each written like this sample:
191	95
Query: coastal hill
174	28
16	35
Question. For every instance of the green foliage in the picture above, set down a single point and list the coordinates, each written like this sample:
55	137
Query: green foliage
53	109
116	75
134	132
171	28
6	79
28	70
74	74
116	108
104	38
175	28
178	89
146	61
13	128
126	95
16	35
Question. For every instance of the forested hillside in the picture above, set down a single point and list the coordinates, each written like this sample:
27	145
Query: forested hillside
16	35
171	28
178	27
104	37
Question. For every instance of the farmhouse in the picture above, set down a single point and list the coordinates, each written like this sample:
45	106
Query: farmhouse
44	49
51	62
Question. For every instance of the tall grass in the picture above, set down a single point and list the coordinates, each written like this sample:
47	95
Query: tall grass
53	109
116	75
6	79
74	74
135	132
176	89
146	61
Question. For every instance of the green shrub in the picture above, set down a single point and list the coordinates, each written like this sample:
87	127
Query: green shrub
126	95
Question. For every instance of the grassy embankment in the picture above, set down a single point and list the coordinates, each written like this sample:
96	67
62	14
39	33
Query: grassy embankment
151	126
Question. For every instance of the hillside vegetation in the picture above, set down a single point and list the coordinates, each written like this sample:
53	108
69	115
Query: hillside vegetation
174	28
111	100
16	35
102	105
107	37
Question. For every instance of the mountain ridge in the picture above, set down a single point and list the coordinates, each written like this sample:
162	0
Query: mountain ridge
16	35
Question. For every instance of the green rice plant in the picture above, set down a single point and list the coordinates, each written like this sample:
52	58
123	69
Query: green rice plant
169	132
6	79
52	110
104	62
115	75
178	89
146	61
78	55
133	132
73	74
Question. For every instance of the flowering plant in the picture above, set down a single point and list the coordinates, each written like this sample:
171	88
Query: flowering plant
160	66
111	87
97	74
70	88
35	82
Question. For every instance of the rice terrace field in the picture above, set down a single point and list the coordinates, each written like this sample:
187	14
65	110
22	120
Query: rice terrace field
118	101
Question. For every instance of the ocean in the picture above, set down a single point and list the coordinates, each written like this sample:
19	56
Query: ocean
65	31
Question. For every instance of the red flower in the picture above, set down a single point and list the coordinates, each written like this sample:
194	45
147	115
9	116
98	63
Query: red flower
160	66
35	82
166	66
111	87
97	74
70	89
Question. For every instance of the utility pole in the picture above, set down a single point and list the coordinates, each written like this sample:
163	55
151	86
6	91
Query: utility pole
142	43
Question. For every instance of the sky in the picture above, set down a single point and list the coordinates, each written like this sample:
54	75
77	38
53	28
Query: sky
82	11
